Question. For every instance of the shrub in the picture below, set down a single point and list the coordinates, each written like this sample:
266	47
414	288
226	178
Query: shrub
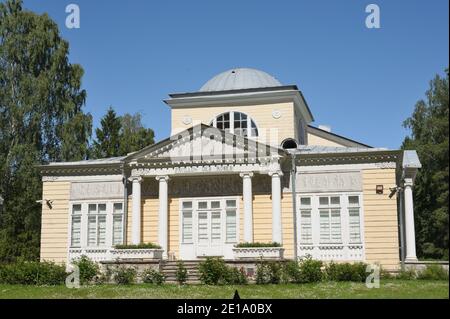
257	244
89	269
139	246
32	273
310	270
268	272
406	274
152	276
290	272
124	276
213	271
181	274
235	276
433	272
346	272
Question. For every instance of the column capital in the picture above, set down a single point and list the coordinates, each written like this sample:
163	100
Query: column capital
277	173
408	182
135	179
246	174
161	178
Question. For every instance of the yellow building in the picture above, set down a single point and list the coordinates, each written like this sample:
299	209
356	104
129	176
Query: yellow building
243	164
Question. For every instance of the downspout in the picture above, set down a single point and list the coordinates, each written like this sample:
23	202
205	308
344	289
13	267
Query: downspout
125	204
294	201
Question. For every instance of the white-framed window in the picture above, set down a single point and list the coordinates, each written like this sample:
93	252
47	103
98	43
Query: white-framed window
117	226
236	123
231	221
330	219
186	229
305	220
96	224
75	237
354	219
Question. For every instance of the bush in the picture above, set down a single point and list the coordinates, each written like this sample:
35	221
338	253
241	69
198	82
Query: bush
213	271
89	269
124	276
235	276
310	270
33	273
406	274
290	272
181	274
139	246
151	276
268	272
257	245
433	272
346	272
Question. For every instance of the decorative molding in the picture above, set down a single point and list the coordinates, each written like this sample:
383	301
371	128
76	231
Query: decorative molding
186	120
385	165
276	114
96	190
329	182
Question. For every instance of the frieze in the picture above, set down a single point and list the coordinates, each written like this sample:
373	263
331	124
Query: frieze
93	190
328	182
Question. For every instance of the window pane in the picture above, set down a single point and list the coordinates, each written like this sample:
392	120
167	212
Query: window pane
305	226
323	201
215	227
101	208
324	226
92	230
117	208
76	209
335	226
92	208
76	231
354	224
215	204
203	205
231	226
335	201
117	230
305	201
101	230
203	227
353	200
187	205
231	203
187	227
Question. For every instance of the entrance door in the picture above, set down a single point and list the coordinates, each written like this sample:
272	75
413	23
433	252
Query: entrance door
209	232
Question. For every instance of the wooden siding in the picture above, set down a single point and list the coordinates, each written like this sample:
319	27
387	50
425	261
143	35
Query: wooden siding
54	225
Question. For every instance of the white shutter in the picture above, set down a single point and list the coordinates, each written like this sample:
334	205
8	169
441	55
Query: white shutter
305	226
215	227
203	227
187	227
354	225
92	230
76	231
324	226
336	226
101	228
231	227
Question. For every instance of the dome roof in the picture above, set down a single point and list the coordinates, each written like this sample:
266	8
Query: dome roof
240	78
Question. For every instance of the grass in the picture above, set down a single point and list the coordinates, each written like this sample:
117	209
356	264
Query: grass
397	289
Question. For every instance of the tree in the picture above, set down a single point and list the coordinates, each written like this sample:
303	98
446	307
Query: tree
120	136
108	136
134	135
429	125
41	120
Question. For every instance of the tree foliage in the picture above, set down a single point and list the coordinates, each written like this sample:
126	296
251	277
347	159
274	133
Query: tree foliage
120	135
429	125
41	120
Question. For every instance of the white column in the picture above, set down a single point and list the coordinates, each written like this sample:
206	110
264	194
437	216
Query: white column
163	214
277	234
136	211
248	205
409	221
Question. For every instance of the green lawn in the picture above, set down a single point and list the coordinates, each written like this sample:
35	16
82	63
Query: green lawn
388	289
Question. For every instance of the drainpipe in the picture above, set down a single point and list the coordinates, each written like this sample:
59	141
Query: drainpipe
402	230
294	201
125	204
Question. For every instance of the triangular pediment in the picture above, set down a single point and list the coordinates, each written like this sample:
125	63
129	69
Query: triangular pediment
203	143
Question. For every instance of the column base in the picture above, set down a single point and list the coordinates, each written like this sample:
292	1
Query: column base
411	260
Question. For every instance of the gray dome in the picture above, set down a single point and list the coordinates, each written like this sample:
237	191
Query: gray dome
240	78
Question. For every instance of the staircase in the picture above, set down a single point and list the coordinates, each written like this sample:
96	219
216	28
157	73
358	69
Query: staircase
169	269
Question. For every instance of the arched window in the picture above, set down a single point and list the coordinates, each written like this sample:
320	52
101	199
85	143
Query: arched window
236	123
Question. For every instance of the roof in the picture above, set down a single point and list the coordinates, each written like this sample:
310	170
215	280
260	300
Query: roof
347	142
238	79
100	161
314	149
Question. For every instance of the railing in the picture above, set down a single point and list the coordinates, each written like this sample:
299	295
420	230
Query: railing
328	252
104	254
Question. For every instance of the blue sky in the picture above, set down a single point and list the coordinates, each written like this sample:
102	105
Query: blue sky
362	82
